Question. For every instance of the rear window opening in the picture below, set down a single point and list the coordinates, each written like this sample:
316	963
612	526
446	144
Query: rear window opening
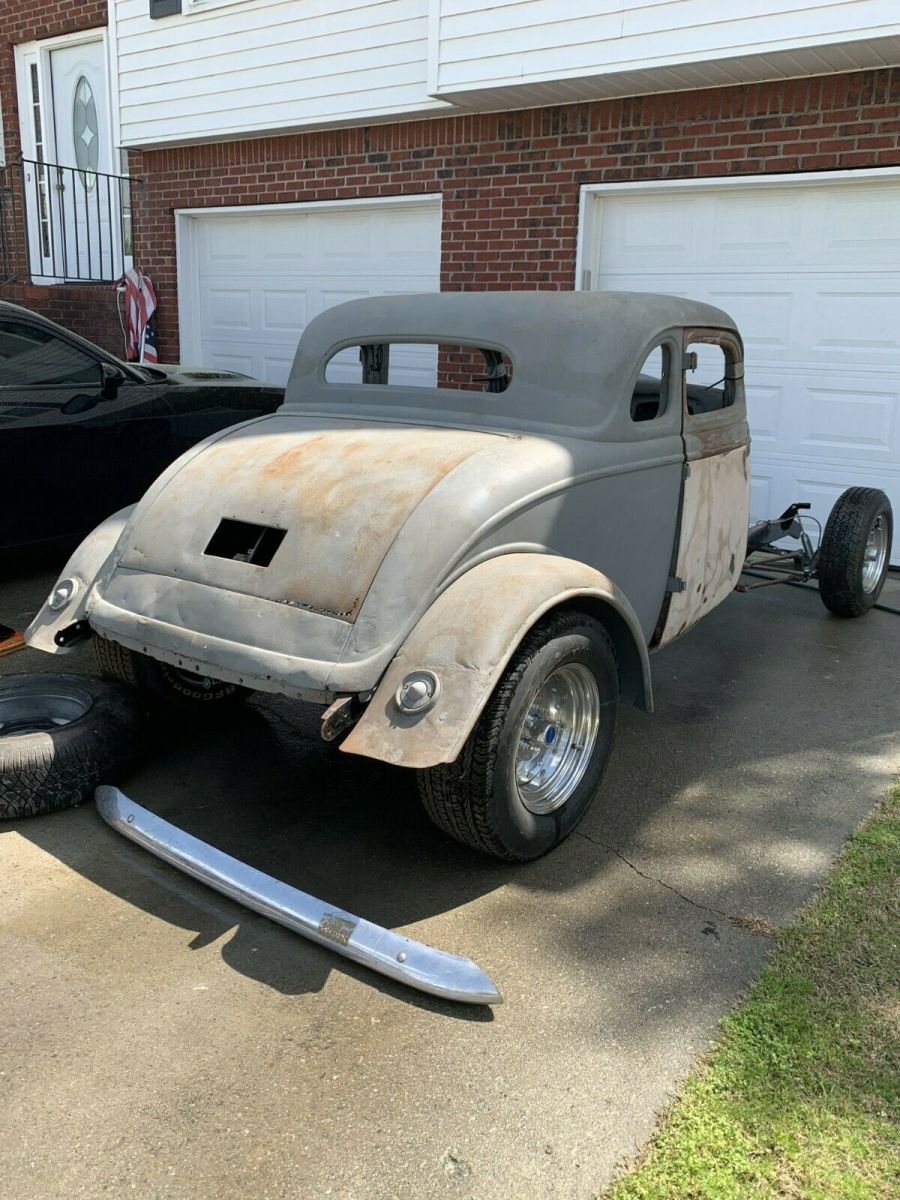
244	542
424	365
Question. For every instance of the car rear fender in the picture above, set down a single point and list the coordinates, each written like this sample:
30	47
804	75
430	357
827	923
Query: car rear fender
84	568
467	637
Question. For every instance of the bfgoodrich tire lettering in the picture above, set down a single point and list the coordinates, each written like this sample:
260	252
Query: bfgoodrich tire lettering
163	683
476	799
60	736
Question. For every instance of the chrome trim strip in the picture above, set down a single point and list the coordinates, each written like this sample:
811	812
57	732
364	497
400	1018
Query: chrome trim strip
435	971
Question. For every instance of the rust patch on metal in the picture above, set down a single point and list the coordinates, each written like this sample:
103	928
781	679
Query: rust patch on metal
336	928
342	494
720	438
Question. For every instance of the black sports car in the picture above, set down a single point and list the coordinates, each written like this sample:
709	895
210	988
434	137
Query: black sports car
83	433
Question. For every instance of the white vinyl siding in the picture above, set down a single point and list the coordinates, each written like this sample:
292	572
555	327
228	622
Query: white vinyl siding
263	65
247	67
511	45
810	271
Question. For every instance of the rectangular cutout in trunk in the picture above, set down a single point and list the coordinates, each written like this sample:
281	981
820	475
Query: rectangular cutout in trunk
243	542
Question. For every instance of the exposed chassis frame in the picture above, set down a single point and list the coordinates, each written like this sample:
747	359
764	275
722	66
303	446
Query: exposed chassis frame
760	540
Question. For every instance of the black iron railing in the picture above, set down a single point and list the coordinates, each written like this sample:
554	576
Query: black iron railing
77	224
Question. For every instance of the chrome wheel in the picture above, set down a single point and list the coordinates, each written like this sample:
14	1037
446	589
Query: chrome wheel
557	738
41	710
875	554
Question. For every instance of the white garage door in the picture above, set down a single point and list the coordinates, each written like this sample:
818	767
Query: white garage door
251	281
811	273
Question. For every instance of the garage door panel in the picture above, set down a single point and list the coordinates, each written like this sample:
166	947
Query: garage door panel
228	308
861	322
851	421
858	227
799	318
260	277
765	407
734	232
825	414
810	271
283	311
768	228
225	244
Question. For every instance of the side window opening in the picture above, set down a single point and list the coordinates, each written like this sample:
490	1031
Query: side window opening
424	364
651	389
711	374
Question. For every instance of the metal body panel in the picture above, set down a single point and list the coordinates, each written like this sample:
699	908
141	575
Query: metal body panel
716	512
466	639
609	524
90	563
341	489
423	967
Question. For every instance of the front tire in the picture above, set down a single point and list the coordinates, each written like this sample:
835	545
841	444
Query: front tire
855	552
163	683
537	756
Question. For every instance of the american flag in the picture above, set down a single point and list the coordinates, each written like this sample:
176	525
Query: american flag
140	304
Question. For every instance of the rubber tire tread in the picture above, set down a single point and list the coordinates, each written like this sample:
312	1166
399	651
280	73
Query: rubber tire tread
843	542
454	795
127	666
51	771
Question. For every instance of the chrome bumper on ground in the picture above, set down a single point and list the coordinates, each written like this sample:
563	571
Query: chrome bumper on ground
413	963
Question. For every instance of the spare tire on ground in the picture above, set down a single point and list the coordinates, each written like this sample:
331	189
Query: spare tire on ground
61	735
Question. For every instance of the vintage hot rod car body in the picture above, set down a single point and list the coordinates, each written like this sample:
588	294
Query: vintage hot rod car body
470	577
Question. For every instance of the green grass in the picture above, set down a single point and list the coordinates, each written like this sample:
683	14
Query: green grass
801	1095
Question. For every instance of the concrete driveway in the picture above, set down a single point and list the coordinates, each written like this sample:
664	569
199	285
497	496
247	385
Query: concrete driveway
159	1041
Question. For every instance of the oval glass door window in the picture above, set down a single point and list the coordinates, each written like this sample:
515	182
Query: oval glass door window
85	133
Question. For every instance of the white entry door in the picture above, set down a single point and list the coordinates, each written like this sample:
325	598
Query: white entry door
251	280
83	195
810	270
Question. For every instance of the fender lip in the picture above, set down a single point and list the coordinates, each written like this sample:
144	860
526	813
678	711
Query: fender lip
466	638
449	976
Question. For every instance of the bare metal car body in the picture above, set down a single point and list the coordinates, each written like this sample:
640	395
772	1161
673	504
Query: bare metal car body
429	528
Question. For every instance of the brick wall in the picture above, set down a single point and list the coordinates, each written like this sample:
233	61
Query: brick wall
88	310
510	181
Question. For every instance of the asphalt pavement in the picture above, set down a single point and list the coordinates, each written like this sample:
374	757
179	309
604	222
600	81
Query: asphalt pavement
159	1041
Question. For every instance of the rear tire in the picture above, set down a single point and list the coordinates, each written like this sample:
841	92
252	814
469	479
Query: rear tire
855	552
163	683
61	735
537	756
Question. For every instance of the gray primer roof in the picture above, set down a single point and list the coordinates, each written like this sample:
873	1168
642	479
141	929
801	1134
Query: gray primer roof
571	351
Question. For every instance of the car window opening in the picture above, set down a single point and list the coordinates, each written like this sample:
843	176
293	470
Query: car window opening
711	374
422	364
651	388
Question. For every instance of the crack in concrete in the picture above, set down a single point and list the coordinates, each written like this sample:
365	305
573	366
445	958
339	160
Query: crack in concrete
755	926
